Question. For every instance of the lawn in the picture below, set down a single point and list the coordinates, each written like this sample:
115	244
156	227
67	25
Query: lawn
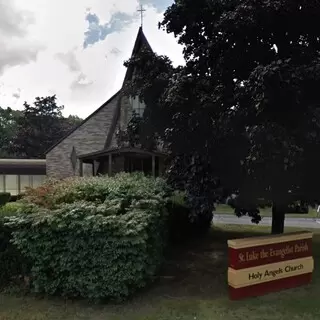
193	286
266	212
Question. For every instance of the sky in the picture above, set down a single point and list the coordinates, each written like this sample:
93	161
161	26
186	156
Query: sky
74	49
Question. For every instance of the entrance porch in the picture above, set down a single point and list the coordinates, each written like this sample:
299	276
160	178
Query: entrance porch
113	161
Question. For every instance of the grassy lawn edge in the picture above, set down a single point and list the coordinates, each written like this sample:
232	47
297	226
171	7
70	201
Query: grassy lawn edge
193	285
266	212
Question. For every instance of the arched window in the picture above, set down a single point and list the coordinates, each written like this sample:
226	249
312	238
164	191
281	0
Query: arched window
138	107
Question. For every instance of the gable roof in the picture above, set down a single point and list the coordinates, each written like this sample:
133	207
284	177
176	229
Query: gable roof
83	122
141	41
114	122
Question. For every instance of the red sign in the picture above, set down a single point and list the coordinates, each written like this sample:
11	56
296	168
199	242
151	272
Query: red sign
266	264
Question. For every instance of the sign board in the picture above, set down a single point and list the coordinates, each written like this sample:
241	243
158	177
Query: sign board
261	265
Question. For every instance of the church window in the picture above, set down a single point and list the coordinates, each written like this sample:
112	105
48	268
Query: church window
138	107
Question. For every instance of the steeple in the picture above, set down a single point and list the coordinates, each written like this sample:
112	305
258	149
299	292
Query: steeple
141	42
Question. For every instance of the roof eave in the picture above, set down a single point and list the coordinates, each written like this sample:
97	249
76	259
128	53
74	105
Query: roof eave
83	122
105	152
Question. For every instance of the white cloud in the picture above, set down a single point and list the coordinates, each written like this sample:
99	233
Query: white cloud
15	48
70	60
81	78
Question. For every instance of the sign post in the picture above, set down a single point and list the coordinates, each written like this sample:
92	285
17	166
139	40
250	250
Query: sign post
261	265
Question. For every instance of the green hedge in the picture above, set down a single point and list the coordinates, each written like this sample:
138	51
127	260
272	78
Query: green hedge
4	198
179	222
123	187
107	246
13	208
12	263
182	224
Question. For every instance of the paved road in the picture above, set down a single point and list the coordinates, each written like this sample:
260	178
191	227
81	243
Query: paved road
266	221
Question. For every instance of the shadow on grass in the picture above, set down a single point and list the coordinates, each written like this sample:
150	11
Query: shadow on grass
199	268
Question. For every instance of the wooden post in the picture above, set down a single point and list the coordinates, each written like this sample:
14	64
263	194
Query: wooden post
153	166
19	184
81	168
110	165
93	168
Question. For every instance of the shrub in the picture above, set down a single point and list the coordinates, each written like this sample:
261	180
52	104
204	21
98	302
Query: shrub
179	225
96	189
12	263
182	225
178	198
43	196
107	246
13	208
15	198
4	198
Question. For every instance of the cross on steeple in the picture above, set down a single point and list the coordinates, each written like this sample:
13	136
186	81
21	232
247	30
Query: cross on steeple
141	10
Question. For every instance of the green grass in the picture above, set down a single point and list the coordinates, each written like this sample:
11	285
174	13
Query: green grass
193	286
266	212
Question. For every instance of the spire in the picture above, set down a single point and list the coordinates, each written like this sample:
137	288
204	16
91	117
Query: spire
141	42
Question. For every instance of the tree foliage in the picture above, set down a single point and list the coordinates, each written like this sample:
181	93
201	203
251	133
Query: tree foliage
38	127
243	113
8	127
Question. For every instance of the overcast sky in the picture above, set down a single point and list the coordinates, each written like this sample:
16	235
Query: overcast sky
74	49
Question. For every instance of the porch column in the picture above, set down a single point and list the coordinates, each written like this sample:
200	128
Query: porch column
96	164
93	167
110	165
153	166
81	168
19	184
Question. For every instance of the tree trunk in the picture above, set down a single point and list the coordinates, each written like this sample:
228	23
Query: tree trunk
278	215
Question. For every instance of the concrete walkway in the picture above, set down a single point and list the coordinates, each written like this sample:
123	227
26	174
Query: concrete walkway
266	221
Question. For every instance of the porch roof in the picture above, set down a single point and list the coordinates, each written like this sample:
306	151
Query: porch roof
117	151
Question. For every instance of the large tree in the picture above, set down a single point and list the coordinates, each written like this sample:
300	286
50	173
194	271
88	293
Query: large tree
39	127
244	113
8	127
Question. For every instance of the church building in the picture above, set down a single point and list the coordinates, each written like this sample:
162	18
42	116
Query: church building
91	148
